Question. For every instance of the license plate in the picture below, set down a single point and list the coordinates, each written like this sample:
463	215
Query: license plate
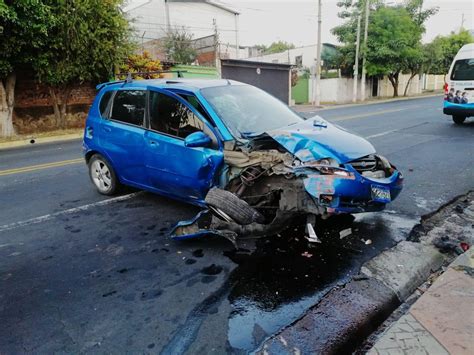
381	194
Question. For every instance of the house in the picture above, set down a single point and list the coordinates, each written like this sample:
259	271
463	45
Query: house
152	19
302	57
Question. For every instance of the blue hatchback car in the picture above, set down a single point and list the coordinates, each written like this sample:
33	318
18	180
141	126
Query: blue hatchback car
247	159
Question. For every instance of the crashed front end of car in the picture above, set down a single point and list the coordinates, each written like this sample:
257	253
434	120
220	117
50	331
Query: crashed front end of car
308	169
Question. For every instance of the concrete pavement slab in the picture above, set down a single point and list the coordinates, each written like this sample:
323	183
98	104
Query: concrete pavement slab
446	311
407	336
441	321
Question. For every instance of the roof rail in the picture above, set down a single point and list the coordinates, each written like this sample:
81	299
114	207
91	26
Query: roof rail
102	85
130	75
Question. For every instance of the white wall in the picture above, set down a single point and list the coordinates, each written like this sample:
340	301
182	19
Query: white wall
308	54
339	90
150	18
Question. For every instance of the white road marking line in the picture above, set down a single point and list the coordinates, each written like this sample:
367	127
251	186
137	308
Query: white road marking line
48	217
381	134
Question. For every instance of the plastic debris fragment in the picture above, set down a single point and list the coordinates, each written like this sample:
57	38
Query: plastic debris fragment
345	232
312	237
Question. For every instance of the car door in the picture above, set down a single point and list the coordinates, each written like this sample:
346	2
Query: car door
172	167
122	135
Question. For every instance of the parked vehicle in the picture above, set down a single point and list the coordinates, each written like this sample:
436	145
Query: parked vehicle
246	158
459	86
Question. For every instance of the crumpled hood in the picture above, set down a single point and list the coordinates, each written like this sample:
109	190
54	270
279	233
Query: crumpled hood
316	138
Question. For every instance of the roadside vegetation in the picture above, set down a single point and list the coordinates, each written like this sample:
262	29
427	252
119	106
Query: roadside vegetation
60	44
394	44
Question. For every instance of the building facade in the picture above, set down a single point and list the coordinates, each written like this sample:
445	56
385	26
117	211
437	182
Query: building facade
152	19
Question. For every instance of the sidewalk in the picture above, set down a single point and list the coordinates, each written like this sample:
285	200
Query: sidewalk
441	321
323	106
40	138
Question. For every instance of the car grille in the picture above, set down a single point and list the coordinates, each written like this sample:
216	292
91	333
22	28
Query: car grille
368	163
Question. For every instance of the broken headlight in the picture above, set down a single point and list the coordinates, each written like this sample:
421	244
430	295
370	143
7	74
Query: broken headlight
327	166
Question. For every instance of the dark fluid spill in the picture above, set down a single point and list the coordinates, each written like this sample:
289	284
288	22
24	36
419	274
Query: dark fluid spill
286	275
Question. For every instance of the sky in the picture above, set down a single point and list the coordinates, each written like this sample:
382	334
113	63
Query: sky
295	21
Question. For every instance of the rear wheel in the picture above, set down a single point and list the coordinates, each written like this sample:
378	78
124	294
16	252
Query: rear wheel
459	119
102	175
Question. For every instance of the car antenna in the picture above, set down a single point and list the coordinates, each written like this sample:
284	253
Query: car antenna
228	82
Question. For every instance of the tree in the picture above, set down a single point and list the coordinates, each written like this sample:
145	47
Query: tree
394	38
24	27
439	53
331	57
178	46
279	46
140	63
393	43
88	40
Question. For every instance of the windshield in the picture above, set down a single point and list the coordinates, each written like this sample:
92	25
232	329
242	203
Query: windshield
463	70
247	110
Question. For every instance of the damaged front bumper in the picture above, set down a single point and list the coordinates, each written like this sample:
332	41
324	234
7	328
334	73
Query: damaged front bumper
354	193
313	194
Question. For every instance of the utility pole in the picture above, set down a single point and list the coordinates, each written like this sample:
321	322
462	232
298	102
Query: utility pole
167	13
318	59
364	49
356	64
216	47
462	22
237	50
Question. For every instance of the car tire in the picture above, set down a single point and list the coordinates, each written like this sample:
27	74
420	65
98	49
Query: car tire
234	207
459	119
103	175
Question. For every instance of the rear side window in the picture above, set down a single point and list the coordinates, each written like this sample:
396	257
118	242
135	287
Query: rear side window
129	107
104	102
463	70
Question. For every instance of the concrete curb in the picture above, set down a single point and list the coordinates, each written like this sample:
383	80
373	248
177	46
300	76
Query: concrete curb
309	108
40	140
349	314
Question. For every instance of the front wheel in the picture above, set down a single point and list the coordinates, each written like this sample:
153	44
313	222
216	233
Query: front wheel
459	119
102	175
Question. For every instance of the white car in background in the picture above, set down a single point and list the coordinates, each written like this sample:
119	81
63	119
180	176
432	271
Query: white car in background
459	87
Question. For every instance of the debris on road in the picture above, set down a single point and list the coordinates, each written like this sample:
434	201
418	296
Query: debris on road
312	237
345	232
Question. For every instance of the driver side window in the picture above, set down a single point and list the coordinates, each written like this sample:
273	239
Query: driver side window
169	116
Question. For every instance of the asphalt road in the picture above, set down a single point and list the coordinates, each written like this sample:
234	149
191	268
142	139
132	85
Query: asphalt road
83	272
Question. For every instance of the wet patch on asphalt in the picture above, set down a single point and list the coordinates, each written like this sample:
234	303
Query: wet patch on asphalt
286	275
99	284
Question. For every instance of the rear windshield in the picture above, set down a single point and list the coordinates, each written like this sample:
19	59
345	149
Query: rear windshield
463	70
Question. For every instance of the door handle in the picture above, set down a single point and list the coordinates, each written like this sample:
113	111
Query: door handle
106	129
154	144
89	132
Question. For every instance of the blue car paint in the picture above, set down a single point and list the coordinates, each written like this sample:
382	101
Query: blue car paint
169	168
187	173
311	140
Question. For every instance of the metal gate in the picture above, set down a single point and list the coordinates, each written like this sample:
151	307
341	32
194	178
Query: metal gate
272	77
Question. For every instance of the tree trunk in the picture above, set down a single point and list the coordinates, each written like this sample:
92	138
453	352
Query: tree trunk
408	83
54	99
7	102
60	100
394	81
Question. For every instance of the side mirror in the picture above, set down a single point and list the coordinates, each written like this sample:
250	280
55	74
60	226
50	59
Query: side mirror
197	139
